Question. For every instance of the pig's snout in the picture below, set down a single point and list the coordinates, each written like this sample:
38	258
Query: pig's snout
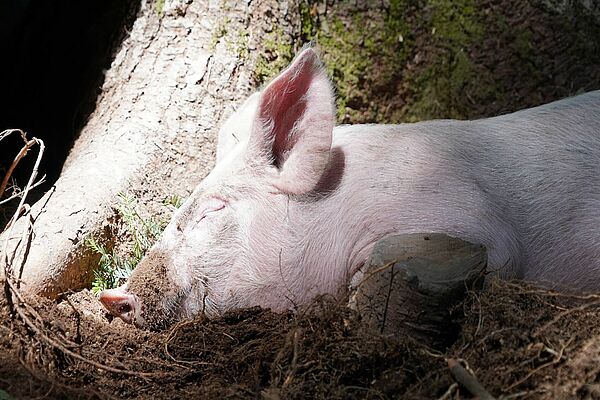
121	304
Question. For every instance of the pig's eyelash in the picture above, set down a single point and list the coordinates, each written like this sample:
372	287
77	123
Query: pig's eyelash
214	204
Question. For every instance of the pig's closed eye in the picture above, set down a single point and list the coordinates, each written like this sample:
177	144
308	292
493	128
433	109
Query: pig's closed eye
211	206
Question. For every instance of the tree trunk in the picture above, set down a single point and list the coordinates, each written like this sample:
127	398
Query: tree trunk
183	68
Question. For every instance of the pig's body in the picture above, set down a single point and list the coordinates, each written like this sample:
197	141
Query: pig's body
294	207
526	185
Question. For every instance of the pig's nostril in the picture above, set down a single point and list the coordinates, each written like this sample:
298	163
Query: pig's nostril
120	303
123	309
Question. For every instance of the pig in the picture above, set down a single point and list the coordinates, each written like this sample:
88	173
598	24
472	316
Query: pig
295	204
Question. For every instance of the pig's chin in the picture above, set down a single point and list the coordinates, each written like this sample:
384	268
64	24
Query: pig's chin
161	314
159	310
203	300
139	322
198	303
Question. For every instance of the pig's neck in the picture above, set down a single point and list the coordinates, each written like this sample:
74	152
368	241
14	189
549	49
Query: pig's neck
384	180
339	238
337	227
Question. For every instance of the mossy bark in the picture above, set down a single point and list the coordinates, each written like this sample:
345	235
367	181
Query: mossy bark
409	60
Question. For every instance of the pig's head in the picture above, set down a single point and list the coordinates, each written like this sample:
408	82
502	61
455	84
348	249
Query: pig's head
231	244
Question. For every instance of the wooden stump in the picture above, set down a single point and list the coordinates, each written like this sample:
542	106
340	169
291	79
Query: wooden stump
411	282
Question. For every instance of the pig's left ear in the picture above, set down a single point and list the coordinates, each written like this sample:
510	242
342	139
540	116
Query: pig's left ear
293	125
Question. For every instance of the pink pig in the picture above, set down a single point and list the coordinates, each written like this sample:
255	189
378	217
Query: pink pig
295	205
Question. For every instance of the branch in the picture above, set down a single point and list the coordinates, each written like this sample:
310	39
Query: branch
20	155
468	381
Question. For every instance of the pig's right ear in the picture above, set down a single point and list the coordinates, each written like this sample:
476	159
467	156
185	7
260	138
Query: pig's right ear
237	128
293	125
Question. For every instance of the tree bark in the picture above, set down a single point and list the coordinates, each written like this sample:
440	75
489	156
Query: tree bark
180	72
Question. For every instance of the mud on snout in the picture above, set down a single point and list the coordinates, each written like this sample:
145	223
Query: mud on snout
150	299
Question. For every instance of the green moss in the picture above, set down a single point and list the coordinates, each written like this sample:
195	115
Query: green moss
357	54
440	88
277	54
308	24
217	34
338	43
159	6
237	43
425	59
231	34
456	21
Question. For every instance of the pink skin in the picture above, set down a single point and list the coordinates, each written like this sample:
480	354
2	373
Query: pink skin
293	206
120	303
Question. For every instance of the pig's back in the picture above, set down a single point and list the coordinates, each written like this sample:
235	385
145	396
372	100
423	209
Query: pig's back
524	184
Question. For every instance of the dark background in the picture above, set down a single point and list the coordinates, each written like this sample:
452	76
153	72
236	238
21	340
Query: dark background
53	56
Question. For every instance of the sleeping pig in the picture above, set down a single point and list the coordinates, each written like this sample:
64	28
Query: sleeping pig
295	204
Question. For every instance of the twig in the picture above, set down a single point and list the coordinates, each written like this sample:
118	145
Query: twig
374	272
516	395
24	245
7	132
11	223
291	297
479	321
294	363
387	300
563	314
550	293
172	334
549	363
432	353
17	213
451	390
20	155
15	195
467	380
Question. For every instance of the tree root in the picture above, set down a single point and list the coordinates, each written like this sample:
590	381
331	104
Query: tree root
468	380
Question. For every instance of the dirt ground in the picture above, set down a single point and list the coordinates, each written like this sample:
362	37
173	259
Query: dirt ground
520	341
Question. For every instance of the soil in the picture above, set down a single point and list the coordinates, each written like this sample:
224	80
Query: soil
517	339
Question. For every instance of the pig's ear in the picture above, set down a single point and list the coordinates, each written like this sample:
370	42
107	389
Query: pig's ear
293	125
237	127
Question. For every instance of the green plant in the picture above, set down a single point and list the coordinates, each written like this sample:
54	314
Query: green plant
159	6
144	231
173	200
5	396
114	268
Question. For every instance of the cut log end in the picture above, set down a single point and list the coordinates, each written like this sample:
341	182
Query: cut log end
410	284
